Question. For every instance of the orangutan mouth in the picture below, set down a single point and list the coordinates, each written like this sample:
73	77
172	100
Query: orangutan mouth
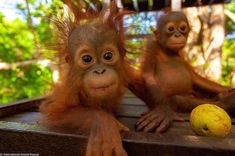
104	87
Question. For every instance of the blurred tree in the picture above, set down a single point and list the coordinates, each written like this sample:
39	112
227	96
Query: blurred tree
210	45
19	81
137	28
205	40
23	71
228	55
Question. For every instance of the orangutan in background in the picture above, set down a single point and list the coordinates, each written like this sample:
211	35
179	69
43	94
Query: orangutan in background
171	82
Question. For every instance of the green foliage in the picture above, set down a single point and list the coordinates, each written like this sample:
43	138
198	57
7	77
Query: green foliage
230	26
228	50
24	82
16	45
228	61
141	23
134	49
18	41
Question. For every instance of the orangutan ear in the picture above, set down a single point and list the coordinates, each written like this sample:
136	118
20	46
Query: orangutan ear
156	33
68	59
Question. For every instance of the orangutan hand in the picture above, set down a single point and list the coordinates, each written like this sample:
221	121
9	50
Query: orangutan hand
105	139
157	120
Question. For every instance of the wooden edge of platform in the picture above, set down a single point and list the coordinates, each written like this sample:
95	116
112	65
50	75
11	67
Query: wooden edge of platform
130	107
140	138
19	106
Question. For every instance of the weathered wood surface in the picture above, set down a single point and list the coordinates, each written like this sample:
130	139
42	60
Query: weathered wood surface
21	132
19	106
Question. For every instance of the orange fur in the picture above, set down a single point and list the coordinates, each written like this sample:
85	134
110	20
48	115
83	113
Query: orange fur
67	95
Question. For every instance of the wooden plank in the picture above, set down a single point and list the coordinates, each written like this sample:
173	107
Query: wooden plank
29	104
26	138
132	101
130	107
177	128
22	133
34	118
24	117
19	106
180	128
131	110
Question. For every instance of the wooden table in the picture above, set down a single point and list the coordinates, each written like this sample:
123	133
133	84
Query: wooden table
20	132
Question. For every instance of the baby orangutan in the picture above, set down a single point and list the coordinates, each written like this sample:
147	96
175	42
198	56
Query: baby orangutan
171	81
94	82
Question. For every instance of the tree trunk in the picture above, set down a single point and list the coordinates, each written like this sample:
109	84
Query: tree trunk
206	38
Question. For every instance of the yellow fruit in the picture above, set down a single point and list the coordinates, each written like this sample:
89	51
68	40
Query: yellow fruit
210	120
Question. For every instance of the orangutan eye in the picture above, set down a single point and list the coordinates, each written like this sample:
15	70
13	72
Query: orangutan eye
108	56
171	29
183	27
86	58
